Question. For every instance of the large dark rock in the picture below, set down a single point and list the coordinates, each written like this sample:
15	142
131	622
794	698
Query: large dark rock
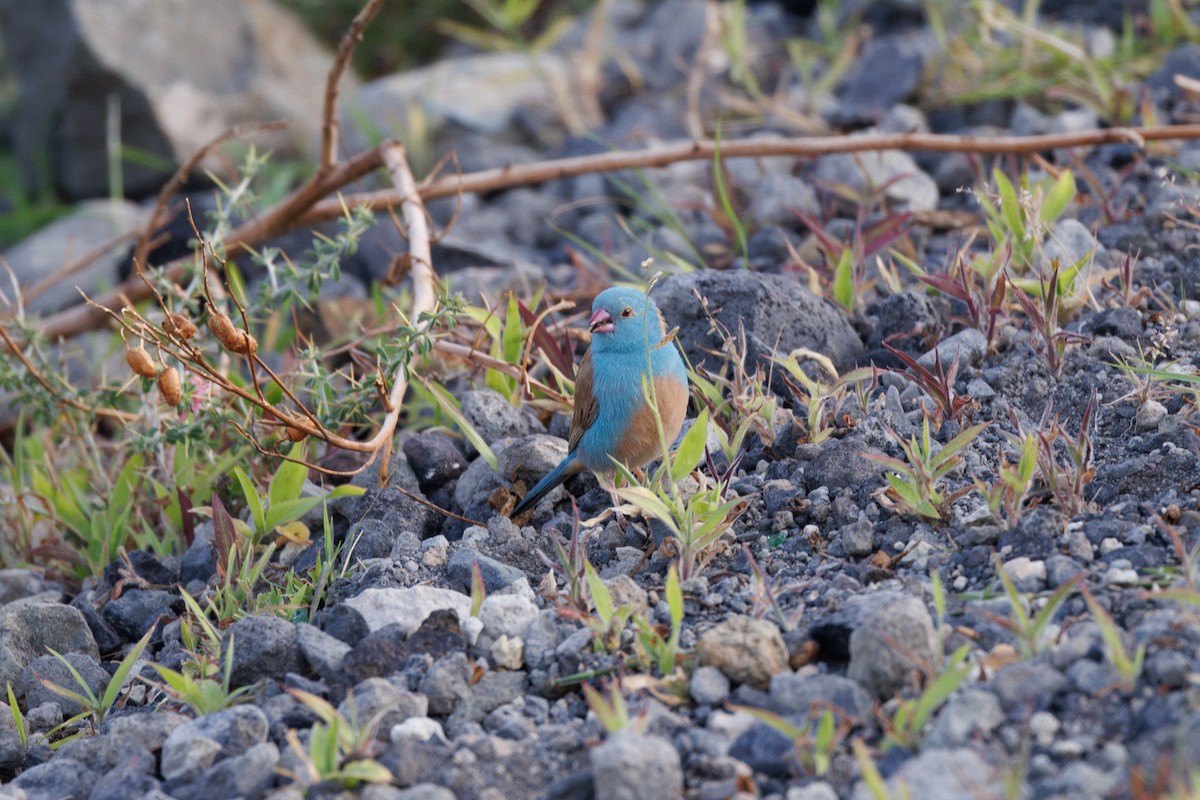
264	647
777	314
29	627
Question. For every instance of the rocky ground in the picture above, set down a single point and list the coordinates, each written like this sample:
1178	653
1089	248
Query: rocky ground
822	596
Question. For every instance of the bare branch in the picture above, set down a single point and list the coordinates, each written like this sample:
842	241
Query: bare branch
329	121
561	168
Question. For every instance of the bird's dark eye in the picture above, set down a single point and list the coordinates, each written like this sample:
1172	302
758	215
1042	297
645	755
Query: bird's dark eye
627	312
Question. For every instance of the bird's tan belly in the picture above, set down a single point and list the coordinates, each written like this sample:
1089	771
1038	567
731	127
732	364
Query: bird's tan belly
640	443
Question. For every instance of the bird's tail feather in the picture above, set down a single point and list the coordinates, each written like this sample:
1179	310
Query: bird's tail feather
553	478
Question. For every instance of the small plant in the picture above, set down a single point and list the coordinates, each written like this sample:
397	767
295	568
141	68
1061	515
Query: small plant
606	621
339	747
1006	496
1043	310
195	687
611	712
1019	221
980	283
17	716
1067	479
815	742
845	263
906	728
738	404
655	646
570	566
937	383
1128	666
1030	628
283	505
819	399
915	485
696	523
96	708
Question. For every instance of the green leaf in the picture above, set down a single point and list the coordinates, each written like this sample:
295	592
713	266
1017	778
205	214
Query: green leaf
346	490
253	501
649	503
365	771
287	511
513	341
674	593
287	482
450	407
18	717
601	597
1010	206
691	448
119	678
1058	196
843	281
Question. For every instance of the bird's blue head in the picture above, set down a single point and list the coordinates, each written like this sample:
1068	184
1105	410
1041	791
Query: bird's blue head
625	320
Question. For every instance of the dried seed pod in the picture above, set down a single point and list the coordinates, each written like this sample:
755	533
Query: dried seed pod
245	344
294	434
222	328
169	386
231	338
179	326
140	362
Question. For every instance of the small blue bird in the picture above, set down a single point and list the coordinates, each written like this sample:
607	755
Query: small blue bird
612	418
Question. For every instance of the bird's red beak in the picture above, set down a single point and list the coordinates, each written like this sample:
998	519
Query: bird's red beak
601	322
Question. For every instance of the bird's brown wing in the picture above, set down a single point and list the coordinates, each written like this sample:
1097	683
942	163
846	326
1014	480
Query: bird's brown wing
586	407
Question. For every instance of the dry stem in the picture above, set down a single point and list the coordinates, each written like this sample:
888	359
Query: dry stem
329	121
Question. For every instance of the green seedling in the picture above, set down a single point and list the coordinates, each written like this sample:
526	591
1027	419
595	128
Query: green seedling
97	708
653	647
1128	666
916	485
906	728
871	777
821	400
17	716
606	621
1030	628
195	688
611	712
283	504
339	747
1006	496
814	743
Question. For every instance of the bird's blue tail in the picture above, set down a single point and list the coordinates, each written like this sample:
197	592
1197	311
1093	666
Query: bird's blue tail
554	477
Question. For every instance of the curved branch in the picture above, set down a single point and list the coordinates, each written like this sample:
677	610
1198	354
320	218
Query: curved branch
560	168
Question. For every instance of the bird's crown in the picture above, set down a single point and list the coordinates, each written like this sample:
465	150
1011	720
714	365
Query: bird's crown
624	317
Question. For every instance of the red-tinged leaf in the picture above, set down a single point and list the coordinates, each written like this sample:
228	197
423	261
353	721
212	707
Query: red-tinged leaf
882	234
185	515
947	285
833	248
543	339
224	535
